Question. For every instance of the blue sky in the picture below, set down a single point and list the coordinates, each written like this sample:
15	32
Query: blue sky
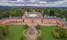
50	3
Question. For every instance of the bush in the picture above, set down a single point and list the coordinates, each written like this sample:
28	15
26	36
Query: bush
38	26
39	38
1	33
60	33
26	26
5	30
56	34
21	38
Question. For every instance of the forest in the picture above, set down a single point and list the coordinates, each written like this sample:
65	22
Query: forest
19	11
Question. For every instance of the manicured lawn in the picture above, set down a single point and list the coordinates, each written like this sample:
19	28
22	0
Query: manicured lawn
47	33
15	33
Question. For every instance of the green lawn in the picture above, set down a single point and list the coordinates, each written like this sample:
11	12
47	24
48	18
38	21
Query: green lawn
47	33
15	33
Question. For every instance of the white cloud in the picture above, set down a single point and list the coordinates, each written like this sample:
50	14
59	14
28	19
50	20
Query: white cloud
44	3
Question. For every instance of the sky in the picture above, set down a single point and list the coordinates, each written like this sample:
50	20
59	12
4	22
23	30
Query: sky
35	0
47	3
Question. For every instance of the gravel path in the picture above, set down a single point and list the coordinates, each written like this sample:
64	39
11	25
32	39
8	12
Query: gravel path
32	33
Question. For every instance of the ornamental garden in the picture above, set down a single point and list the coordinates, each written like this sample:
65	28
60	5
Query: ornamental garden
33	24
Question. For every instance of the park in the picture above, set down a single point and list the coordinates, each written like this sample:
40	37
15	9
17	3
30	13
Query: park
32	26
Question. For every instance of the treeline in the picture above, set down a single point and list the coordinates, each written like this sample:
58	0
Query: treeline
62	13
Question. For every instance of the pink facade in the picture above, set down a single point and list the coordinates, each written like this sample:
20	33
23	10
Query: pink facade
8	21
33	17
46	21
30	20
34	20
27	20
37	20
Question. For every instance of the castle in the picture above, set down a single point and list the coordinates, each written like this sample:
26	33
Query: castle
33	18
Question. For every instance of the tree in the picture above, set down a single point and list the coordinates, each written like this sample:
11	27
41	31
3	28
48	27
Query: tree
38	26
1	33
60	33
26	26
5	30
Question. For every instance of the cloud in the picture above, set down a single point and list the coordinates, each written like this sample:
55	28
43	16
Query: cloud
45	3
50	0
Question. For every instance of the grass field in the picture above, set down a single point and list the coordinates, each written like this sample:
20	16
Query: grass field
16	32
47	33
